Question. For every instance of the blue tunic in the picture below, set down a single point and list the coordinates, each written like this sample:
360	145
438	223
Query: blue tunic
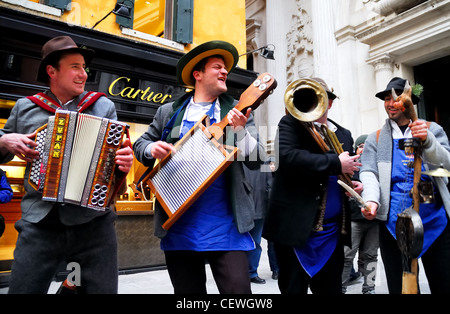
433	215
321	245
208	225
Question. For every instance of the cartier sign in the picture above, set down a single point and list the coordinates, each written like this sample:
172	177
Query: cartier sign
134	93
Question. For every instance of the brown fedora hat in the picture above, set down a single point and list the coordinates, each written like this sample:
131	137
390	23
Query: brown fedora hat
329	91
54	48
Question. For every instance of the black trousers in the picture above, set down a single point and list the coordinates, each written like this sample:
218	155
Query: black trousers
436	261
293	279
188	274
41	247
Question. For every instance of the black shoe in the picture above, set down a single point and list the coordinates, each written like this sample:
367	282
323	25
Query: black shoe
257	280
275	275
354	277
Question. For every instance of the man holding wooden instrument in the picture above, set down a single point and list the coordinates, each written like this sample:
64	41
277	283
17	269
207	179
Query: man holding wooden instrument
388	178
215	227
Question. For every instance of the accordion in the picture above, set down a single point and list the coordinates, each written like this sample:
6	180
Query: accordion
179	179
76	163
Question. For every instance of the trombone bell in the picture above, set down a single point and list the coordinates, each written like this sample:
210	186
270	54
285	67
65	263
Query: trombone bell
306	100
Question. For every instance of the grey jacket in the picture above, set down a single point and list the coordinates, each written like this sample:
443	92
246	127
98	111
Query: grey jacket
376	167
25	118
239	189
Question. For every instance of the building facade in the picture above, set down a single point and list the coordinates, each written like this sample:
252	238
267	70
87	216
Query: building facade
356	46
137	45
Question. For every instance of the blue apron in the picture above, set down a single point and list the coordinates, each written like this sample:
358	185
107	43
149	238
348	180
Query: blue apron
208	225
321	245
433	215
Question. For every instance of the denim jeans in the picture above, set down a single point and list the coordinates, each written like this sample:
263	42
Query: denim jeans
255	255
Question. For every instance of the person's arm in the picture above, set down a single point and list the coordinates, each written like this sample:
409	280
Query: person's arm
6	193
436	148
149	146
369	177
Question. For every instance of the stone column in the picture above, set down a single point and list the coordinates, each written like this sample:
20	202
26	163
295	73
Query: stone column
274	104
326	63
325	47
384	68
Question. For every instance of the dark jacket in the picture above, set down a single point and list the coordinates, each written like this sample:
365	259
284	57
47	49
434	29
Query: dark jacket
261	182
303	170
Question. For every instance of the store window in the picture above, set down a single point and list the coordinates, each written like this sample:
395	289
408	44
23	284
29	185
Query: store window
169	19
149	16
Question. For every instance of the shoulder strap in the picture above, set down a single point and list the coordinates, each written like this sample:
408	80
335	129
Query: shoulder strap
89	99
45	102
169	126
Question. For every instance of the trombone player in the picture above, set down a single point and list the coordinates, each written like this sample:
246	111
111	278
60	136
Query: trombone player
308	218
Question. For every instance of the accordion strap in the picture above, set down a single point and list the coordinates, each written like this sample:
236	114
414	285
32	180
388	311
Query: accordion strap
89	99
121	175
47	103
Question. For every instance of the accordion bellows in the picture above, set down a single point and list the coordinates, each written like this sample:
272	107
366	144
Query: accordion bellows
76	164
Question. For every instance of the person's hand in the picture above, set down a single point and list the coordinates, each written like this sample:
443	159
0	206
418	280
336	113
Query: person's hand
371	211
357	186
349	164
419	129
124	157
237	120
160	149
21	145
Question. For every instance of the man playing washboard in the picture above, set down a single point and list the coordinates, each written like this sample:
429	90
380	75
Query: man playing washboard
215	228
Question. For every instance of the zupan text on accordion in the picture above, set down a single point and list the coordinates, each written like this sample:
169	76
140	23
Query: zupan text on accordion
200	157
76	163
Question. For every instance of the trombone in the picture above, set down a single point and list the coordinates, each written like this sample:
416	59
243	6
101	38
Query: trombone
306	100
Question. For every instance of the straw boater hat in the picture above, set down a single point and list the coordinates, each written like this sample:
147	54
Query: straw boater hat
53	49
216	47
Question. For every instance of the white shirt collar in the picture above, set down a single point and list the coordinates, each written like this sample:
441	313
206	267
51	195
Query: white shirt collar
330	125
397	133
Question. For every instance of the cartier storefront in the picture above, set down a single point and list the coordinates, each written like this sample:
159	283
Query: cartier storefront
137	77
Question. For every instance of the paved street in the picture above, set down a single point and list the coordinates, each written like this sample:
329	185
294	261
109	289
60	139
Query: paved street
158	282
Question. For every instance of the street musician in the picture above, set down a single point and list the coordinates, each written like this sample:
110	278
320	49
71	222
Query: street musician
215	227
51	233
308	219
388	179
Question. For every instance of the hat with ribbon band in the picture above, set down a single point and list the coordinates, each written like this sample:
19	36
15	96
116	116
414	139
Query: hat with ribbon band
398	84
187	62
53	50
